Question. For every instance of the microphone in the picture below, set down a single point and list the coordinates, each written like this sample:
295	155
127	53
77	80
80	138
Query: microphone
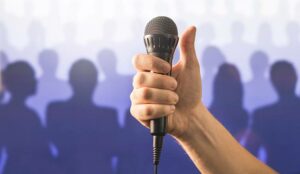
160	38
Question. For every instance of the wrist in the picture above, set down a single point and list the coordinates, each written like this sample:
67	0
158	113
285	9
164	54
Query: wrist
196	124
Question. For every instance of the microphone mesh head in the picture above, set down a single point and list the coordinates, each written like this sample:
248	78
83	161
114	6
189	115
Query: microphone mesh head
161	25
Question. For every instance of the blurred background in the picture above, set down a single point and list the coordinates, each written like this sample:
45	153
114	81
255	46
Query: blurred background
67	73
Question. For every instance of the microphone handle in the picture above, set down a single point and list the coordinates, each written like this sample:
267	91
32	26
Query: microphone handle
158	126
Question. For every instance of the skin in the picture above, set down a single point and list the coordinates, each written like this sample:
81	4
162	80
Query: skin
210	146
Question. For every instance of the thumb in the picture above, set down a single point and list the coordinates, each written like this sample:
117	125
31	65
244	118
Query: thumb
187	46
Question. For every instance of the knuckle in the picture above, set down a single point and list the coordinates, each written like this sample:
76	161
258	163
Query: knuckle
148	111
139	79
146	93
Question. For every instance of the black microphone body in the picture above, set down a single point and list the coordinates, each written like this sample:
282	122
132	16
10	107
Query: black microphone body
161	38
163	47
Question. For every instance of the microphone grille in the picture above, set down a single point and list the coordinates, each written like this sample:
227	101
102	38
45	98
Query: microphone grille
161	25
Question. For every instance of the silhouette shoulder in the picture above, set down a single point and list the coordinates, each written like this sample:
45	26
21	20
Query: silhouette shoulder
264	111
108	111
56	109
57	105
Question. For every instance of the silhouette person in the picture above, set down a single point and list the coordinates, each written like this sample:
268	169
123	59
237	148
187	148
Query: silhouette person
227	103
49	87
21	132
85	134
277	126
212	58
104	95
135	155
259	62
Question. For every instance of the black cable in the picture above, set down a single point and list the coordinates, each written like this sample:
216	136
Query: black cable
155	168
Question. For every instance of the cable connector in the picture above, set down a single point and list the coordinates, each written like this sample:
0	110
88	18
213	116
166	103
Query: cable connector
157	147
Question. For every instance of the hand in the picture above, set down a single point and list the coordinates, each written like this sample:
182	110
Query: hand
178	97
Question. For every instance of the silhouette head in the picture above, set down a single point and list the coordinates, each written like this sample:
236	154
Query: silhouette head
228	88
237	31
83	78
212	58
264	33
48	61
19	80
108	61
284	78
259	62
293	31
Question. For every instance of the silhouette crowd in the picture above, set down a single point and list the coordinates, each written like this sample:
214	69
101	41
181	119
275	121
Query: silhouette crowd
82	125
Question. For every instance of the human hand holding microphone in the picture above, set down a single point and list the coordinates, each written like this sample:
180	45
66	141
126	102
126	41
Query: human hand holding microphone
156	95
206	141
